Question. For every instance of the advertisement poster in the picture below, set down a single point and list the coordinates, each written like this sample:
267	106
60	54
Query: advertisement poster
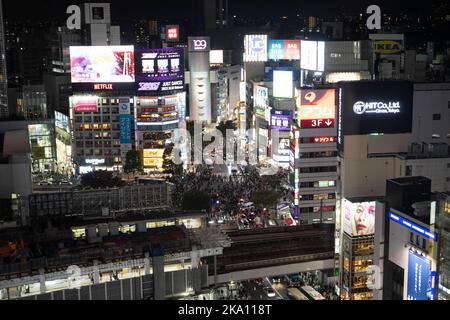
102	64
284	49
256	47
160	69
376	107
418	277
316	108
280	120
83	104
359	218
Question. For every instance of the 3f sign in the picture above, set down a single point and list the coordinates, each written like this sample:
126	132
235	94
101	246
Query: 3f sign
374	21
74	20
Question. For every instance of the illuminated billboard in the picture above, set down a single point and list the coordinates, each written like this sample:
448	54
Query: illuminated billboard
199	44
173	33
153	158
313	55
359	218
62	121
280	120
369	107
216	57
316	108
160	69
262	96
284	49
255	48
82	104
418	277
283	84
102	64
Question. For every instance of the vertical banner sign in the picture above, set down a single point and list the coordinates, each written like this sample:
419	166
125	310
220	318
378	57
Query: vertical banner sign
125	127
418	277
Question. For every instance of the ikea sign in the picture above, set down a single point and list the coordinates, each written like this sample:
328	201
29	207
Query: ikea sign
387	47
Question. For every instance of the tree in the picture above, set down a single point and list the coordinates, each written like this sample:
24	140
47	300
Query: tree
265	198
196	200
101	179
133	162
169	166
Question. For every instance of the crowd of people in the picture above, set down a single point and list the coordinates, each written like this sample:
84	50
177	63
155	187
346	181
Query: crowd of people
227	192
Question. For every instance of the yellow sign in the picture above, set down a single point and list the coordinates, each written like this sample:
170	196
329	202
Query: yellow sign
153	163
153	153
387	47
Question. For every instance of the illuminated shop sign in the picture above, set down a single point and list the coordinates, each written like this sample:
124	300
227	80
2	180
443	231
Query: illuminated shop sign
412	226
280	121
199	44
284	49
376	107
95	162
361	107
173	33
322	140
84	104
103	86
387	47
255	48
317	108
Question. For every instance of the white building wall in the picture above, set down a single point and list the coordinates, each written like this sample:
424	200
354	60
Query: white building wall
431	99
436	169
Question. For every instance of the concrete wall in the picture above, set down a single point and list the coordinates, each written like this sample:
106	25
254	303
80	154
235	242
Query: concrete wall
431	99
363	176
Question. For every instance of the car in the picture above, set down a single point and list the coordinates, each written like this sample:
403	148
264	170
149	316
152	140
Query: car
65	183
270	292
45	183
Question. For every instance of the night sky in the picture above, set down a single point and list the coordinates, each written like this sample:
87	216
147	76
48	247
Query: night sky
173	9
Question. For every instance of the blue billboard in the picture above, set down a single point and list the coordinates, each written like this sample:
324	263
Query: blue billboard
125	128
276	49
418	277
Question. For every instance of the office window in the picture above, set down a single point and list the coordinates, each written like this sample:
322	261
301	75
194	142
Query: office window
437	116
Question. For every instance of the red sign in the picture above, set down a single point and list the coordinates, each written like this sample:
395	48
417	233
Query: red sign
173	33
323	140
317	124
292	49
103	86
84	104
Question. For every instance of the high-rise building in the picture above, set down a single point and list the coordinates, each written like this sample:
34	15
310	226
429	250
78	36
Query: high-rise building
3	77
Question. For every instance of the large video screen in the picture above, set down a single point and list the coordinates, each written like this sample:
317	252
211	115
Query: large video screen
369	107
102	64
283	84
359	218
160	69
